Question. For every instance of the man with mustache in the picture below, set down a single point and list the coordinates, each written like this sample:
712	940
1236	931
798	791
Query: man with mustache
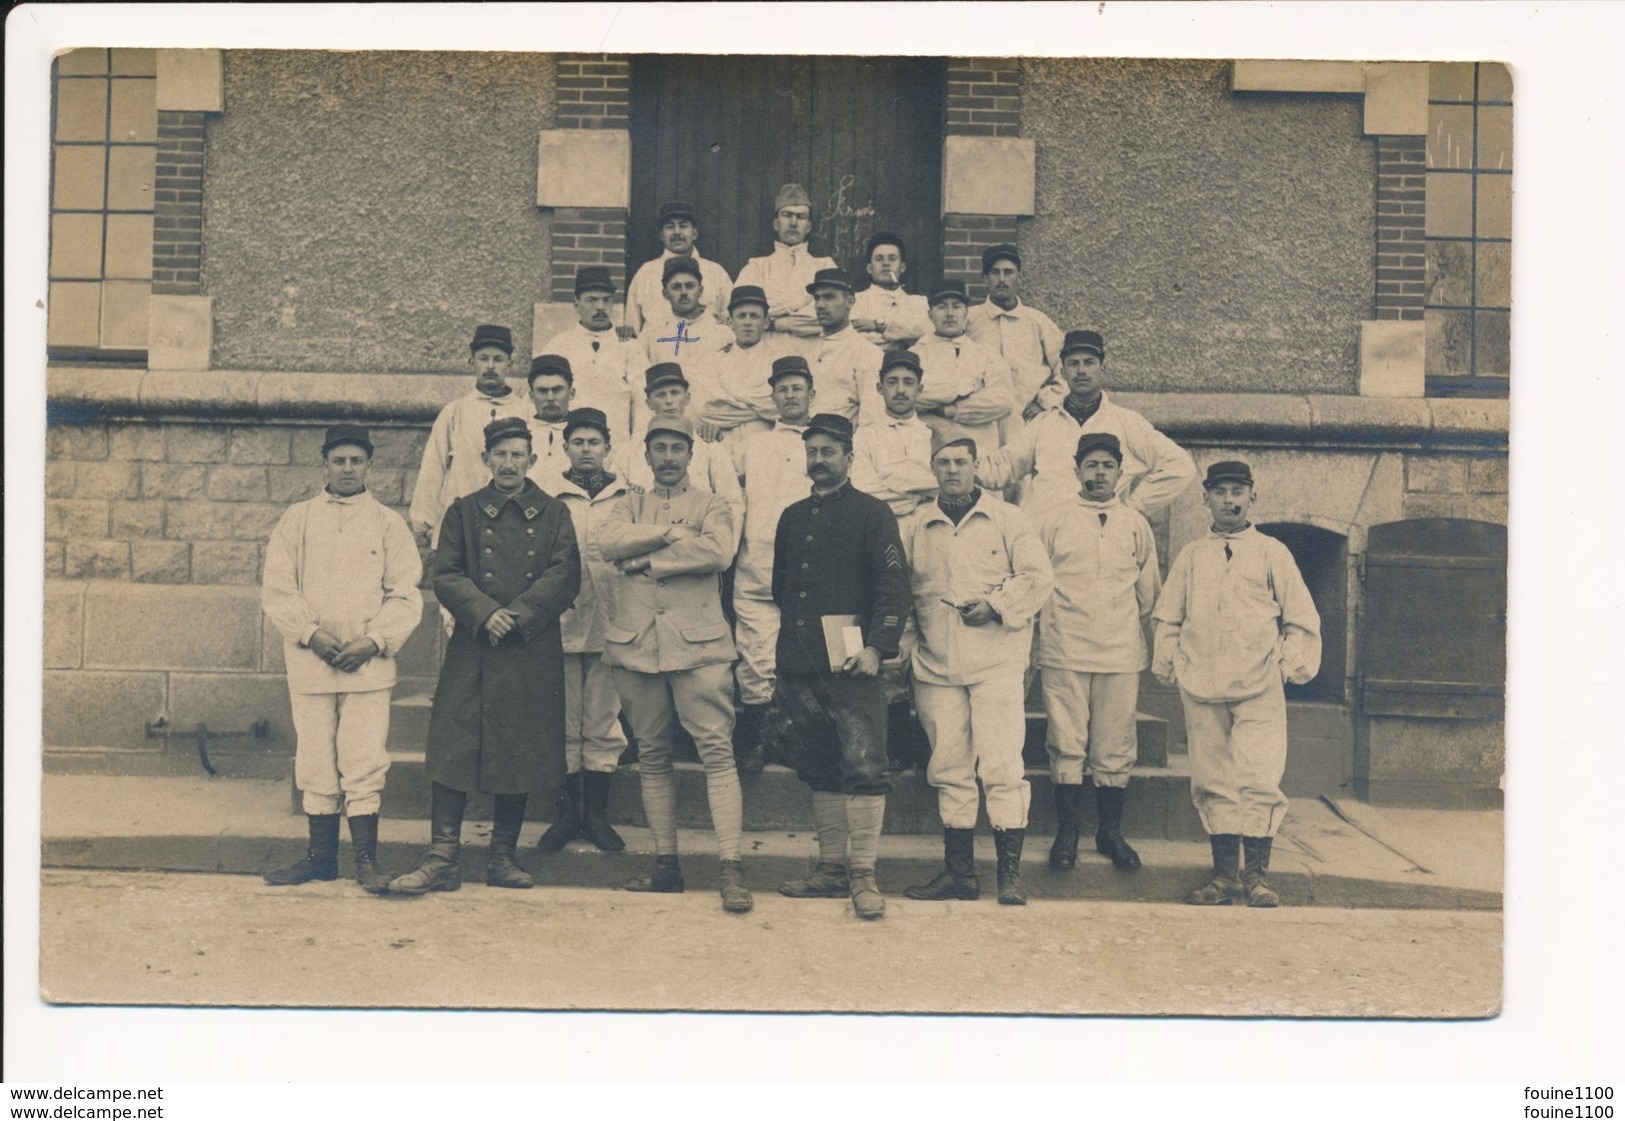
785	273
684	333
341	585
841	583
892	453
506	568
965	387
1026	338
679	236
552	387
670	650
843	364
1091	647
603	364
883	313
1154	468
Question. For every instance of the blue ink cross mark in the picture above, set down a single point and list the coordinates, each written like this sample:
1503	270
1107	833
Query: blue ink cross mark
682	336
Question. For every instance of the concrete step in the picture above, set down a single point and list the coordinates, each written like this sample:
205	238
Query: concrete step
195	824
1158	805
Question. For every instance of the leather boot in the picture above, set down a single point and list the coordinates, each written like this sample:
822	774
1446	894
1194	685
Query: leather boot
507	818
595	811
867	902
1109	836
749	756
364	840
1007	843
321	859
566	825
1257	850
439	869
826	881
1224	888
1063	854
736	898
957	880
666	878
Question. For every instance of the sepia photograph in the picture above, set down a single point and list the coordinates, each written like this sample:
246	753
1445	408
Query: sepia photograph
551	530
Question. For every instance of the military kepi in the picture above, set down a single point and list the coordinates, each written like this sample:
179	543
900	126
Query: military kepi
594	278
346	434
830	278
830	424
1228	471
747	294
993	254
950	438
489	334
791	194
948	288
675	265
663	373
891	359
1084	340
675	209
555	365
675	426
586	418
504	427
1097	441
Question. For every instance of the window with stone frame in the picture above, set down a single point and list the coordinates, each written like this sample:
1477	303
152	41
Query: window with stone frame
1469	228
104	131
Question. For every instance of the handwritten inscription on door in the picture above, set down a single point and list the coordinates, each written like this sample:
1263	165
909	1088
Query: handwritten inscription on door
845	223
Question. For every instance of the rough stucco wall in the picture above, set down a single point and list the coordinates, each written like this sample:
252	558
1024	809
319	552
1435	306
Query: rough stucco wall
1220	243
364	211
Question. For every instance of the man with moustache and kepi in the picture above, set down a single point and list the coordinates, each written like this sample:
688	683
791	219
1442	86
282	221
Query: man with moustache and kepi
506	568
841	583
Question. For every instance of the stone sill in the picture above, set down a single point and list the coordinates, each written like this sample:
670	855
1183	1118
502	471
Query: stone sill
1254	420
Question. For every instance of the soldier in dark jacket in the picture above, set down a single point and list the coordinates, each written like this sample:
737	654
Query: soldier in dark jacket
838	572
506	567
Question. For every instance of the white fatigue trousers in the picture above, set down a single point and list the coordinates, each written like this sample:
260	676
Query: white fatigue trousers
756	634
593	740
1238	752
977	732
341	750
1092	726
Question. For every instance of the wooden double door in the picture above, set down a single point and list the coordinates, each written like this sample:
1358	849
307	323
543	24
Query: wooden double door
863	135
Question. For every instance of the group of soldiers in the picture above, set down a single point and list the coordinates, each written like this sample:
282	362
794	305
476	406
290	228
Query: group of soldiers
824	508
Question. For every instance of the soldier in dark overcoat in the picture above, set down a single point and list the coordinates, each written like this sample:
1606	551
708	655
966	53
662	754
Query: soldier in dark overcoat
506	567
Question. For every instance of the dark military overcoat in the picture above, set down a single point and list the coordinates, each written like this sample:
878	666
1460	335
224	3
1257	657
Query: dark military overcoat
498	719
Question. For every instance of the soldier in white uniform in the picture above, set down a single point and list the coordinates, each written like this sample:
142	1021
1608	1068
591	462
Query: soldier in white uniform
679	234
843	364
785	273
891	454
671	652
1235	624
1091	647
451	465
883	313
965	388
772	468
1026	338
683	332
604	366
552	389
1155	469
741	403
593	740
980	575
341	584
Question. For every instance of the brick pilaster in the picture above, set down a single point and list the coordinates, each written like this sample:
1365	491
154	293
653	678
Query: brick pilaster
177	234
984	97
584	236
593	90
1401	216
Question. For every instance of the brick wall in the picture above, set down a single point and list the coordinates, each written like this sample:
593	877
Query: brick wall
1401	214
964	236
984	97
587	237
177	225
594	90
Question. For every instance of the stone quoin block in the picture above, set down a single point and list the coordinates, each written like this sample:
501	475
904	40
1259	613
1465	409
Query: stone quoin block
584	167
180	332
190	80
129	626
1393	358
989	175
1487	475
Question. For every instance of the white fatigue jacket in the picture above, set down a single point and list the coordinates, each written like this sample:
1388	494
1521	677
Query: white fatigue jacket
348	566
547	444
645	296
1106	582
992	554
710	468
1235	618
891	459
608	374
773	468
582	626
451	465
741	394
961	372
703	338
1155	469
783	275
845	370
907	316
1029	341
